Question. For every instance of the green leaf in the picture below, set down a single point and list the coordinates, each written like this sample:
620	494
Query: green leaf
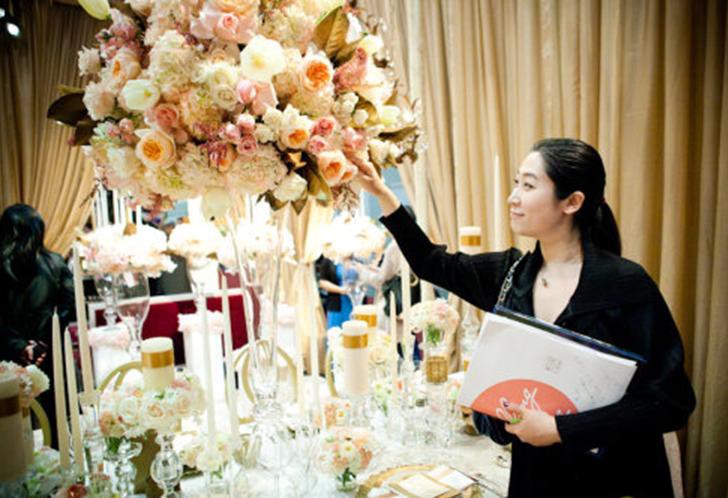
68	109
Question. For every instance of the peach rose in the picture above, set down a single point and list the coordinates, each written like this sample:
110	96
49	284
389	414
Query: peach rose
333	165
317	73
155	149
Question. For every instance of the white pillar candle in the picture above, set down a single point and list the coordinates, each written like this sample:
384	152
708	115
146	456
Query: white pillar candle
393	334
315	393
232	395
355	357
73	405
12	458
209	398
157	363
470	239
60	396
87	375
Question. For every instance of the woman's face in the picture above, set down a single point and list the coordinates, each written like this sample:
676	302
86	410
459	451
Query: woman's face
535	210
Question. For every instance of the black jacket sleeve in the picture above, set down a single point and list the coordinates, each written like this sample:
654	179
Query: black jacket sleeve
477	279
66	300
658	400
493	428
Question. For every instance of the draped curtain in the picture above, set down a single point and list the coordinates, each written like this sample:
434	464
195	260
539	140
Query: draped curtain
37	166
644	82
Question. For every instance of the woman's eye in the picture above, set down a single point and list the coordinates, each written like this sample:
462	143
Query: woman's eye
515	181
528	186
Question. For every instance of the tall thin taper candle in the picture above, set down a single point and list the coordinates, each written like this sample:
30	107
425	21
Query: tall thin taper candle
406	303
60	395
139	220
86	373
393	334
211	430
300	396
73	405
315	393
229	372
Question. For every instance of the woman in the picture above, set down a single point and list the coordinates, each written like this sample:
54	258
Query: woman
33	283
330	278
574	278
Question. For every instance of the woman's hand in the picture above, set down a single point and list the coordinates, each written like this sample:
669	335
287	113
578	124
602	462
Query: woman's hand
369	180
533	427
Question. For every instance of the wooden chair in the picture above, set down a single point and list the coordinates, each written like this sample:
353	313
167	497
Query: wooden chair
42	418
118	375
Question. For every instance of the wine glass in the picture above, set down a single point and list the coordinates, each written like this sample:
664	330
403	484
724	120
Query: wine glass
132	304
104	283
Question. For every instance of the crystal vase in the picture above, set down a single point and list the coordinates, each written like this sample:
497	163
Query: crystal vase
166	469
132	304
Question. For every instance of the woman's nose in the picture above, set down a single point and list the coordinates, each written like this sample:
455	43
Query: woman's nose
513	197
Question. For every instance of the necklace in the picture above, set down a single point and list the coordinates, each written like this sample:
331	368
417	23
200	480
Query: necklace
544	282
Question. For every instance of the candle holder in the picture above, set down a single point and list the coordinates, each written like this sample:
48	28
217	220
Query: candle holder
93	440
124	471
166	469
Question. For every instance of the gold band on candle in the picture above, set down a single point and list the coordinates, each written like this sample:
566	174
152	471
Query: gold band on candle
356	341
436	369
470	240
9	406
158	359
371	320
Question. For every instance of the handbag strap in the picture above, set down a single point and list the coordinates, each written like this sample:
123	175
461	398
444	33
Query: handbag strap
508	282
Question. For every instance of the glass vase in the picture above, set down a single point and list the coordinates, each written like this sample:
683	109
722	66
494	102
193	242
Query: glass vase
105	288
132	304
166	469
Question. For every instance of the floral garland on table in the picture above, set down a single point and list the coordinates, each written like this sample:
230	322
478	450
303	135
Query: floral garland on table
175	109
31	379
436	319
130	411
255	240
116	249
349	237
345	452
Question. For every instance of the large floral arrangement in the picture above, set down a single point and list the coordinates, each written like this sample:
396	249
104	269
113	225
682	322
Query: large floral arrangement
31	379
206	97
349	237
436	319
255	240
344	452
115	249
130	411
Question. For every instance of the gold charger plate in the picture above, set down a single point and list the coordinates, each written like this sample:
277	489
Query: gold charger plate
377	480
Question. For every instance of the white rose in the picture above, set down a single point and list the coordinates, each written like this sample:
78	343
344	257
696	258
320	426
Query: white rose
273	118
360	117
371	44
263	133
224	96
38	379
378	150
122	68
291	188
89	61
143	7
139	95
209	459
261	59
389	114
123	161
128	408
99	101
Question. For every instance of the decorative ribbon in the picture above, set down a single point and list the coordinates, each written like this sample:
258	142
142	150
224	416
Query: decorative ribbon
158	359
371	320
356	341
470	240
9	406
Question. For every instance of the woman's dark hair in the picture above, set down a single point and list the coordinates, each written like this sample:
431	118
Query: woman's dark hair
21	241
575	165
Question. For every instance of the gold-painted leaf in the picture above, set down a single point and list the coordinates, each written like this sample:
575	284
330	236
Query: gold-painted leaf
346	52
400	135
84	131
271	199
299	204
295	160
330	33
68	109
317	185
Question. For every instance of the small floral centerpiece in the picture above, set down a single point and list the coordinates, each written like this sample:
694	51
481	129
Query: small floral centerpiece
344	453
32	381
436	320
196	454
44	475
214	97
336	412
116	249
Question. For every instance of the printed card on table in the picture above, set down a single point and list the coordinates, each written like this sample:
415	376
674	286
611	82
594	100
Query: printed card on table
520	363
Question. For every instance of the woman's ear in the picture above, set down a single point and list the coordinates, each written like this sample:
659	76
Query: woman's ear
573	203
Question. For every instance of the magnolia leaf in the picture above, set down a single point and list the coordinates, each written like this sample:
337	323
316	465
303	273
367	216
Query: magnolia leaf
346	52
273	201
84	131
330	32
66	89
299	204
400	135
68	109
295	160
317	185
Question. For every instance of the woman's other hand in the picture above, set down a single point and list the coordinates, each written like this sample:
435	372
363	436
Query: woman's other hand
533	427
370	180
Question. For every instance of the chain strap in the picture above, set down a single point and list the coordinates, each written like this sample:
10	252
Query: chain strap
508	282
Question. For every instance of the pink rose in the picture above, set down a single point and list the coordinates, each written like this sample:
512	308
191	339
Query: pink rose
317	144
166	116
246	123
354	140
324	127
204	26
231	133
126	125
246	91
351	73
247	146
265	97
181	137
227	27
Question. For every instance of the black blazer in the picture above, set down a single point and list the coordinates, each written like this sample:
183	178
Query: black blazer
613	451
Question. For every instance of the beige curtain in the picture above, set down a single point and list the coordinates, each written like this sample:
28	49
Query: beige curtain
643	81
38	167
